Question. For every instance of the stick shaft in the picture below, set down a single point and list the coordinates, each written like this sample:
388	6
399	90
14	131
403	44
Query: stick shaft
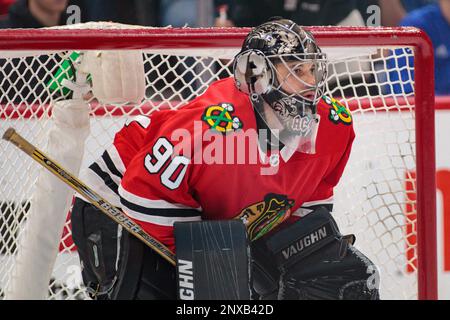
95	199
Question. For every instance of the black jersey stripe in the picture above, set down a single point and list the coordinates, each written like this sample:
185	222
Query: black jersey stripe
328	206
110	164
105	177
169	212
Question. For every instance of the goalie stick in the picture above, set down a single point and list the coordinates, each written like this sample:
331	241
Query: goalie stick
111	211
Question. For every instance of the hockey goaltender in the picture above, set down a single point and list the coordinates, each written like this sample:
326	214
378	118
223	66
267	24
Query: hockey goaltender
252	227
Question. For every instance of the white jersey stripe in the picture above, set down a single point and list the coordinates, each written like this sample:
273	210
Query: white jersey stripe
147	203
158	220
116	159
97	184
105	168
318	202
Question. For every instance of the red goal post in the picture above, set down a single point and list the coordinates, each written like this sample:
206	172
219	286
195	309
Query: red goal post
161	39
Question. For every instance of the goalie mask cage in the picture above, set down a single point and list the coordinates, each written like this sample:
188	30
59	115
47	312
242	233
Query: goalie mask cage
386	195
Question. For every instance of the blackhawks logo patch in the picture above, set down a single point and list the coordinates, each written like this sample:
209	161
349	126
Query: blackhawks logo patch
338	112
263	216
220	118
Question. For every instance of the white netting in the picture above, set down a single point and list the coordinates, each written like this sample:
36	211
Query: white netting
371	199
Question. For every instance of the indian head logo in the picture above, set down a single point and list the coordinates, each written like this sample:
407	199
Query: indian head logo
263	216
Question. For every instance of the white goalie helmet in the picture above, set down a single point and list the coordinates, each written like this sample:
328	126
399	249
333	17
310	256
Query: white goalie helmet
280	64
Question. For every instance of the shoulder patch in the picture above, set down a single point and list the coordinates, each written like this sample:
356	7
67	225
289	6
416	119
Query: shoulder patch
220	118
338	112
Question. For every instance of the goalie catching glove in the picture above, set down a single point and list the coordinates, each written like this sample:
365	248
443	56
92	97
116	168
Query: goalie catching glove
310	260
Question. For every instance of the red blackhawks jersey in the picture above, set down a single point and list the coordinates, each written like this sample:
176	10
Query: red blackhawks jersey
201	162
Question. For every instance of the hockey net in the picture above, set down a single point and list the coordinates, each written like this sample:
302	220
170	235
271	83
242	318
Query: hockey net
385	197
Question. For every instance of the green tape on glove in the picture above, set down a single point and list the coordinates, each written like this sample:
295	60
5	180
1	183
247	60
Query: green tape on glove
65	71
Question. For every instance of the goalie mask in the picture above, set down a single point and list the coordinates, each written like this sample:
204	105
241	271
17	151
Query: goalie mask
280	64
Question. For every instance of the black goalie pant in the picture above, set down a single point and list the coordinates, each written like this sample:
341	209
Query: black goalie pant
115	264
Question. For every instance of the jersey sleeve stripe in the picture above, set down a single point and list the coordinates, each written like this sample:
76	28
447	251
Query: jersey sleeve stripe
301	212
116	159
106	169
162	221
109	182
96	183
328	201
148	203
159	212
111	166
308	207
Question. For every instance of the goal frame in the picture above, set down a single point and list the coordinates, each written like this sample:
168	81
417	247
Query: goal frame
180	38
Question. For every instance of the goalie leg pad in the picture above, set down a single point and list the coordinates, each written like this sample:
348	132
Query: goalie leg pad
212	260
97	238
117	265
143	274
